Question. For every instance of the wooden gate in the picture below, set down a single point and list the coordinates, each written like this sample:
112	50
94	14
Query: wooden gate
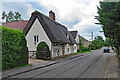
43	54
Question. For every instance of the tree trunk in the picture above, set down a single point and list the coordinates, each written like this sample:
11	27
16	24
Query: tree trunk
119	52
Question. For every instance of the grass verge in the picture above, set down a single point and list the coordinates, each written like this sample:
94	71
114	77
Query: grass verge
81	52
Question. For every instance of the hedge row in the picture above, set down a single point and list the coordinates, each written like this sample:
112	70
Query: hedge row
14	48
40	47
82	48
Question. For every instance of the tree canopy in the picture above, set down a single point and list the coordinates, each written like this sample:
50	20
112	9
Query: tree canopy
109	18
11	17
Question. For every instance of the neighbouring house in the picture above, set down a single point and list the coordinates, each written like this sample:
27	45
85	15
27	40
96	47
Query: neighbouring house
84	41
41	28
20	25
76	37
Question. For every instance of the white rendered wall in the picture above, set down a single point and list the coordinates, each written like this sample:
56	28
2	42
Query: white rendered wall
36	29
54	51
70	49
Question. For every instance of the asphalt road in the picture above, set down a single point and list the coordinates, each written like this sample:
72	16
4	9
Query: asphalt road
88	65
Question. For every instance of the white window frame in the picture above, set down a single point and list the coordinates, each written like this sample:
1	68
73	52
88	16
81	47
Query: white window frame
36	38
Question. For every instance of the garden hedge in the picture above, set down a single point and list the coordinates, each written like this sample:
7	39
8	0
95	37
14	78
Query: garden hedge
40	47
14	48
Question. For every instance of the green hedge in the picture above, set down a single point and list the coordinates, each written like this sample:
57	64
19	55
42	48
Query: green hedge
40	47
14	48
84	48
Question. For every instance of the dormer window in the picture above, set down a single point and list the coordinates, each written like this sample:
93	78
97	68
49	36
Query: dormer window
67	35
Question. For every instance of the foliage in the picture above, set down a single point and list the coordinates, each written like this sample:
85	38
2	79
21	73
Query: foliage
96	43
0	48
82	48
11	17
108	42
40	47
14	48
109	18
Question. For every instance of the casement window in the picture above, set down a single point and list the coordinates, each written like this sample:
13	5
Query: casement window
68	49
54	53
74	47
58	52
36	39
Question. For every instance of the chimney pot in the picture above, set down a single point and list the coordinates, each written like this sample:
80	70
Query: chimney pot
52	15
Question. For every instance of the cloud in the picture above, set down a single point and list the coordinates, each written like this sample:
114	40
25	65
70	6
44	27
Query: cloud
75	14
22	7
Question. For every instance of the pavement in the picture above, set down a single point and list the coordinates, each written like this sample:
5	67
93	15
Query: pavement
34	64
113	69
112	66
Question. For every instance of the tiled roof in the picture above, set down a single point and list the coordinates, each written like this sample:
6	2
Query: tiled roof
20	25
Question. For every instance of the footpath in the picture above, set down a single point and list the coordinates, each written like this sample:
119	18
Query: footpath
34	64
113	66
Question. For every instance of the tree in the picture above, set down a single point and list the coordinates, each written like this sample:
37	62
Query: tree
108	42
3	16
97	43
17	16
11	17
109	18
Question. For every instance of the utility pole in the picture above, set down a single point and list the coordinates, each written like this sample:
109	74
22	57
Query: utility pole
92	39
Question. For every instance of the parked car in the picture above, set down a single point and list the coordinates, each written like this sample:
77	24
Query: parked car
106	49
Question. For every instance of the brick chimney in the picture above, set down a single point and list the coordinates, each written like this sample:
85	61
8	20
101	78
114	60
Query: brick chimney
52	15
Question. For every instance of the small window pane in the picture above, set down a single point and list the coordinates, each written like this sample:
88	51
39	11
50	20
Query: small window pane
68	49
37	39
34	38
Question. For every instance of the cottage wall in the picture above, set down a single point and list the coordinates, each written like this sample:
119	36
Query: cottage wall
56	50
77	38
69	49
36	30
75	48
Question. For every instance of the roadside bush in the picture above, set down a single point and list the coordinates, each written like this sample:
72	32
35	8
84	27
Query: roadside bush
82	48
40	47
14	48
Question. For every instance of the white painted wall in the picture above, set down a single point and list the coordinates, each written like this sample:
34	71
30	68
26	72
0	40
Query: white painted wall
54	51
75	48
36	29
77	38
70	49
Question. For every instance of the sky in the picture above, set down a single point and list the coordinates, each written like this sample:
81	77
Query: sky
74	14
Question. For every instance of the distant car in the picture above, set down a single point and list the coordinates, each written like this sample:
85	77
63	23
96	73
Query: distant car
106	49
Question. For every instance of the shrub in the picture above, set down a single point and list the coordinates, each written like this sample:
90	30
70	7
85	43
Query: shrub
14	48
83	49
40	47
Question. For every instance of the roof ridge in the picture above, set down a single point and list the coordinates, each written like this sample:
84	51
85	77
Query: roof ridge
53	20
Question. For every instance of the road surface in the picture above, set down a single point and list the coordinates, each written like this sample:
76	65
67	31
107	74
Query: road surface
86	65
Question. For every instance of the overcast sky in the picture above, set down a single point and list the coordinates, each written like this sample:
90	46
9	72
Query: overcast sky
74	14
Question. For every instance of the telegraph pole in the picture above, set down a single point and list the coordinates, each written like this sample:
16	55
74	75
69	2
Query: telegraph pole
92	39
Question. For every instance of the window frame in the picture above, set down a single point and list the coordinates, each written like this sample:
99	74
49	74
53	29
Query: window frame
36	38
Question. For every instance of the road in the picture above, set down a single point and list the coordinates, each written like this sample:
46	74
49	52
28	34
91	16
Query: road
87	65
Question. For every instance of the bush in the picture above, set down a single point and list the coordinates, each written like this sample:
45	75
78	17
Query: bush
40	47
14	48
83	49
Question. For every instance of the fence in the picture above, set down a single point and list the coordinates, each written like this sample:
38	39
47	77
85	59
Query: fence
43	54
32	54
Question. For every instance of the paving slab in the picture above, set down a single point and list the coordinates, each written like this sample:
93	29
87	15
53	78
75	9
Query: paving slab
112	66
19	70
